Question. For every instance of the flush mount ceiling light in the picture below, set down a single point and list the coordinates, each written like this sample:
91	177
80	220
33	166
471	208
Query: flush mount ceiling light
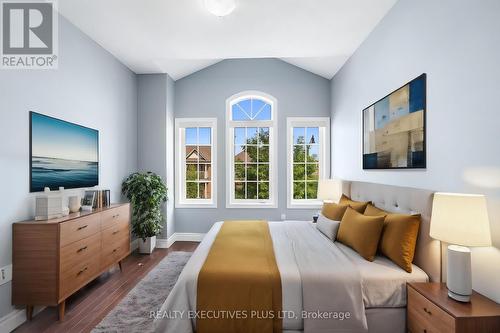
220	7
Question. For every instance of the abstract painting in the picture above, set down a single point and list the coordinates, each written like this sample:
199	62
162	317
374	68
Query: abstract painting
394	129
63	154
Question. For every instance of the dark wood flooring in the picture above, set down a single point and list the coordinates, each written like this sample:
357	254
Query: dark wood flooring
86	308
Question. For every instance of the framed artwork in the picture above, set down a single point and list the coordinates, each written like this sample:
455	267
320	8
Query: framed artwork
394	129
62	154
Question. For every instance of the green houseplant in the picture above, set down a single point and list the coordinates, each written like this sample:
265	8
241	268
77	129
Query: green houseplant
146	192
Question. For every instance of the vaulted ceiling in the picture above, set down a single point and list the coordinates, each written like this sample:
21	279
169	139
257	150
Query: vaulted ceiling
180	37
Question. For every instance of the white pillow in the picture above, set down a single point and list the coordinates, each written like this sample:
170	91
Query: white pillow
328	227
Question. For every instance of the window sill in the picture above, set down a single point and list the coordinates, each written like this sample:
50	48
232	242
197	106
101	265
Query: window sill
304	205
251	205
195	205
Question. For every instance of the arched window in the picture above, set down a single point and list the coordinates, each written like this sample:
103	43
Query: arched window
251	154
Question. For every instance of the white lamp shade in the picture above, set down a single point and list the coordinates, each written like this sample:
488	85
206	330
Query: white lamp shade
460	219
220	7
330	189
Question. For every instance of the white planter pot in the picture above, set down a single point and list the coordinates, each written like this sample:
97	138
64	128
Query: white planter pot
147	247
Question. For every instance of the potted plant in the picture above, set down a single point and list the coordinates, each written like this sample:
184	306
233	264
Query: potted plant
146	192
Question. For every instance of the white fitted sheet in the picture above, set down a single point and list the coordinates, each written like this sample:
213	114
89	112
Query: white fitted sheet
383	282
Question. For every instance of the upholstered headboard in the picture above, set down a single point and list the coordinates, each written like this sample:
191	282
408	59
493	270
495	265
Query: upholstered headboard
404	200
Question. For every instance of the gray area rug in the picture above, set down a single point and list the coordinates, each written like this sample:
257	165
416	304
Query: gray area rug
132	314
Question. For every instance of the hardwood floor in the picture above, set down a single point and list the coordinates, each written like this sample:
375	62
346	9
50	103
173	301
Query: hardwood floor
86	308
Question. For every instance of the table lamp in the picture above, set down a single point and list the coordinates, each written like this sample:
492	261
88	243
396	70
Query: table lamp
329	190
460	220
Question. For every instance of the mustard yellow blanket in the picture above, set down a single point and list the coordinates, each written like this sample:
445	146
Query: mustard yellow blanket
239	285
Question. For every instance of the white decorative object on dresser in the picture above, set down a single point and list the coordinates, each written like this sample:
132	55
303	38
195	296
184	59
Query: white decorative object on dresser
74	204
48	207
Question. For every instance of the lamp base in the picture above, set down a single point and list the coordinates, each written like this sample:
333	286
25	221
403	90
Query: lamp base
459	277
457	297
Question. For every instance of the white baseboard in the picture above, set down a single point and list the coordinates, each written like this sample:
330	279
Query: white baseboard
161	243
16	318
179	237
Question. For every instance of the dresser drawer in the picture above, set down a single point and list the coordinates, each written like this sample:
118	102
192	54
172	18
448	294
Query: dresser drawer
80	251
78	276
113	252
115	232
75	230
115	215
425	317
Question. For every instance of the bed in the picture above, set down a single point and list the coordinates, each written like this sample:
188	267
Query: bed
300	249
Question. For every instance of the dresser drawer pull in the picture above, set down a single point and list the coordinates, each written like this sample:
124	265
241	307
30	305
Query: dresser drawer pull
115	216
81	249
115	232
428	312
83	270
115	250
83	227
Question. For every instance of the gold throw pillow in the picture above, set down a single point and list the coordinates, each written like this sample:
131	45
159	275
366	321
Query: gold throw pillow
371	210
333	211
399	238
361	232
358	206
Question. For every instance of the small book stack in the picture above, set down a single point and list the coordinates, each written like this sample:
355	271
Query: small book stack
101	198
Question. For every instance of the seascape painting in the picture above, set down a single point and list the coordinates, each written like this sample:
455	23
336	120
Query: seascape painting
394	129
62	154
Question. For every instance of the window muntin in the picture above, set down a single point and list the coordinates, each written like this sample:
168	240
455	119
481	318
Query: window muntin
198	175
308	152
252	108
251	163
306	146
250	133
196	169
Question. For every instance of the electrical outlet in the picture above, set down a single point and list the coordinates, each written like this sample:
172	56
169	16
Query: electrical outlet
5	274
283	217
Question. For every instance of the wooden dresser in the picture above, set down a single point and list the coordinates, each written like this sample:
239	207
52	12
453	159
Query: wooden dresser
53	259
430	310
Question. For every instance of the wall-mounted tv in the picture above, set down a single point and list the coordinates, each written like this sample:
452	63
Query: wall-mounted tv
62	154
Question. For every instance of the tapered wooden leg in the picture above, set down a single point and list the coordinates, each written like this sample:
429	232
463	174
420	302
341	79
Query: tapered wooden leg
29	312
120	264
62	309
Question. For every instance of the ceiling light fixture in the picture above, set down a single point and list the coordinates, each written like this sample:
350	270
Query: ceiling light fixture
220	7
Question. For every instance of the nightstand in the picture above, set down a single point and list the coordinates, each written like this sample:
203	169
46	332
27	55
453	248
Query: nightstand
430	310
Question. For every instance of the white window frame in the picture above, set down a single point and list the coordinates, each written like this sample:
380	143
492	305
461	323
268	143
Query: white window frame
180	163
231	201
324	159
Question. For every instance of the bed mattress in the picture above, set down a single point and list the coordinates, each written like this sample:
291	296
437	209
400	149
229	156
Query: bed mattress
383	283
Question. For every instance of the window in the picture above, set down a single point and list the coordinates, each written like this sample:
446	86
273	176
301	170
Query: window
196	162
251	131
308	141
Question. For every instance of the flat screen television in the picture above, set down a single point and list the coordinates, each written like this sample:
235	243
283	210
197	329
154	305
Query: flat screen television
62	154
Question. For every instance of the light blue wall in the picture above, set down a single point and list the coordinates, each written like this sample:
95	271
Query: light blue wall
203	94
457	43
90	88
155	133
